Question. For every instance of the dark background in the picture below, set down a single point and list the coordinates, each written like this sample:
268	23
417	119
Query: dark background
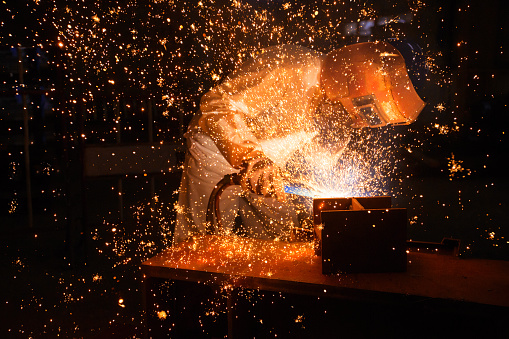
85	79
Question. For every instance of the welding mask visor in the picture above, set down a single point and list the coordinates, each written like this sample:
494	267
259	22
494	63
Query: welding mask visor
371	82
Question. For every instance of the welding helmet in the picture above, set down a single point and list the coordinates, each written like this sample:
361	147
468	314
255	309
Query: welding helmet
371	82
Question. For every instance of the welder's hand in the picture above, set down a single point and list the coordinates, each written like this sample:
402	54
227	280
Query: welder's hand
261	176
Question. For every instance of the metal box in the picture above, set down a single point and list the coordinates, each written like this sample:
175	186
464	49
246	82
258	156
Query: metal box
357	235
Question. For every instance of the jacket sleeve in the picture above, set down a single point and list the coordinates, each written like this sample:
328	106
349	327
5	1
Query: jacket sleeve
250	101
225	124
224	110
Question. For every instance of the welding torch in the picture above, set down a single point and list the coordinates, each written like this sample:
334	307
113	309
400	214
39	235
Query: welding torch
213	211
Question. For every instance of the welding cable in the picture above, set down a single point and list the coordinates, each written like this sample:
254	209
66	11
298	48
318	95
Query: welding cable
213	205
213	216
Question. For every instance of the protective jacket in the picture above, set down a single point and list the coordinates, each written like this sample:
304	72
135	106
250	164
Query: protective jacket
265	107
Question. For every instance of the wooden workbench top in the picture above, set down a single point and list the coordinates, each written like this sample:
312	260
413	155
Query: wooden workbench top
294	268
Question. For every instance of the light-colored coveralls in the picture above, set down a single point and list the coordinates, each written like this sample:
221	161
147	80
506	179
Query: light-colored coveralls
266	107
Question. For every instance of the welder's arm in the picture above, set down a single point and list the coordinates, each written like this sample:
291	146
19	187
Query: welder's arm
240	147
231	136
261	176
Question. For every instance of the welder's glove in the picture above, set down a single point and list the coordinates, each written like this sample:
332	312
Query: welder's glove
261	176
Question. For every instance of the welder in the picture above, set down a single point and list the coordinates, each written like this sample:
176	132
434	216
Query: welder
268	109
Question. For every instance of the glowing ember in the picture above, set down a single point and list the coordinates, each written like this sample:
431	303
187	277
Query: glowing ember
162	314
455	167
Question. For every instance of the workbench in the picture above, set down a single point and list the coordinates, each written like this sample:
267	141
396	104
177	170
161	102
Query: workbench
239	272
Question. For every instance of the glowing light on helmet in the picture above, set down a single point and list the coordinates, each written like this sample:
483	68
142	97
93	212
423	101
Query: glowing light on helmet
371	82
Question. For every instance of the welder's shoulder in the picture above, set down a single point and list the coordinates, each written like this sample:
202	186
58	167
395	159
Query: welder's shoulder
285	56
281	62
270	68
